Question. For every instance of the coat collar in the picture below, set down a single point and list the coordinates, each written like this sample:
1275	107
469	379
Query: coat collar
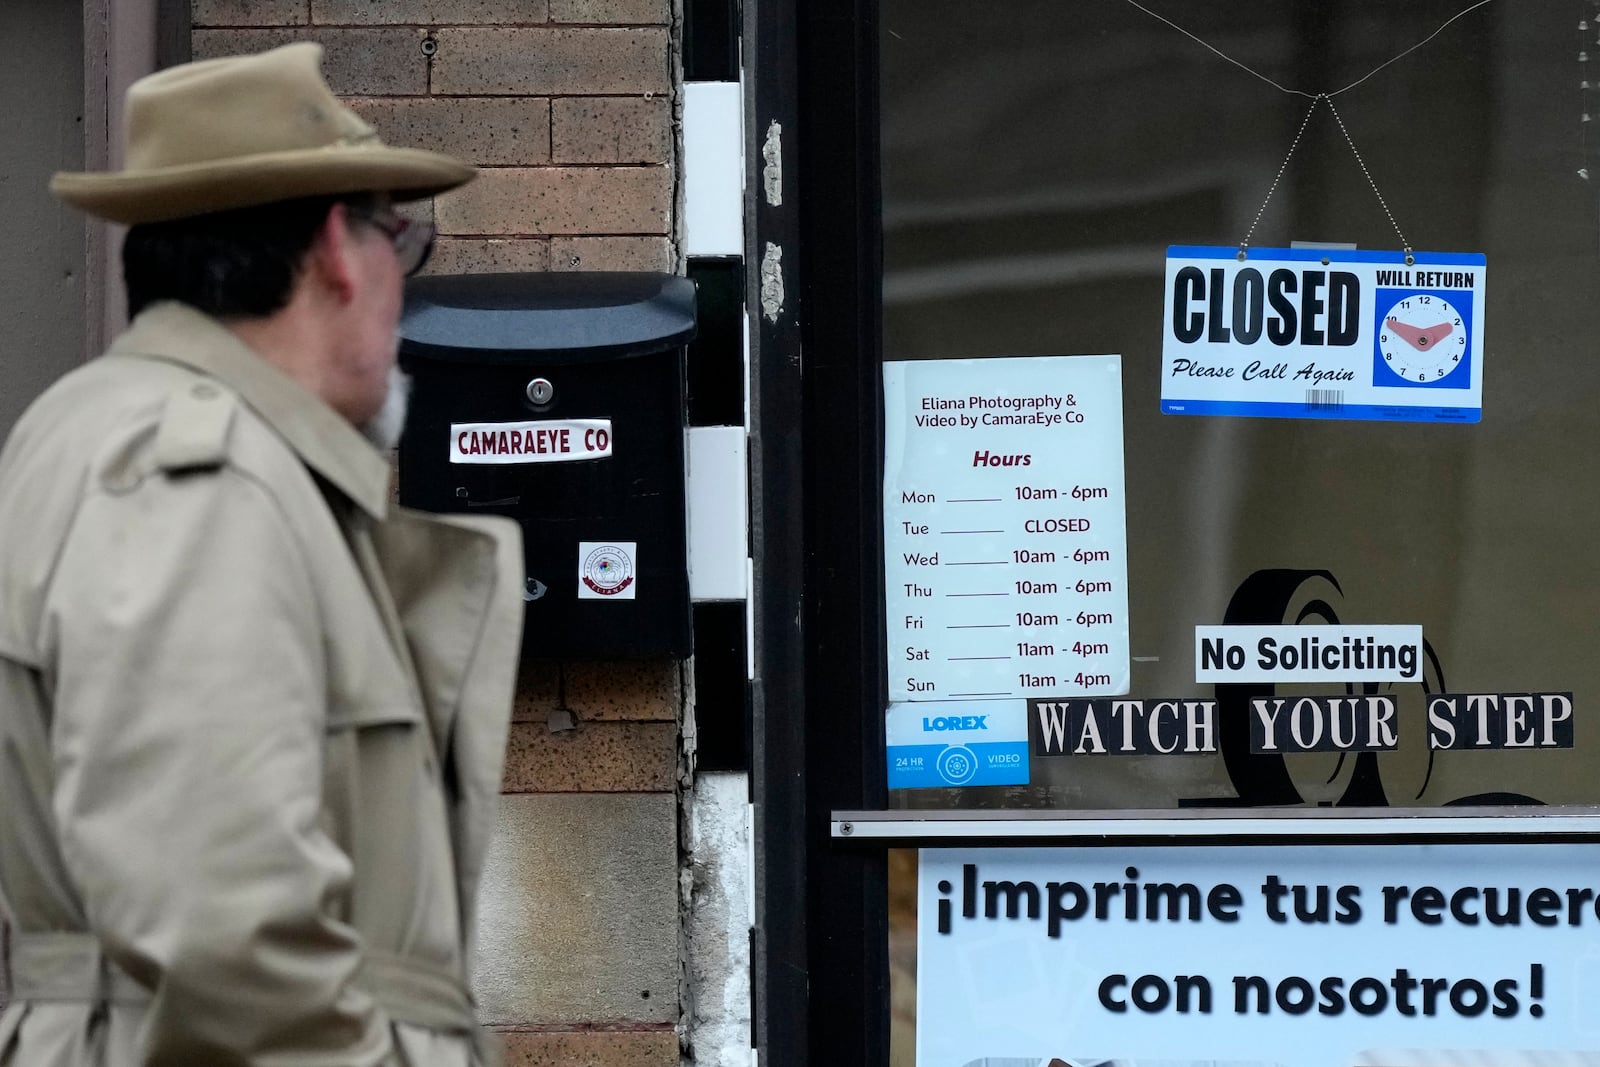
322	438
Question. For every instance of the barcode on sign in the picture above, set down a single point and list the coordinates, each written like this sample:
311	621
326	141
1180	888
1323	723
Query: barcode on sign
1325	398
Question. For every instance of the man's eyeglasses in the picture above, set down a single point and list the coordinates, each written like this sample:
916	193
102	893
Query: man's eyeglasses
412	240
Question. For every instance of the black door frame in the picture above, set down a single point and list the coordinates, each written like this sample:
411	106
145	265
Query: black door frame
821	940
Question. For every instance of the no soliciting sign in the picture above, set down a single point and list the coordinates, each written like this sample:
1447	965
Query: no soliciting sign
1322	333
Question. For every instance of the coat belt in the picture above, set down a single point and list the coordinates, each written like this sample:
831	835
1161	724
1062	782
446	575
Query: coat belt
71	966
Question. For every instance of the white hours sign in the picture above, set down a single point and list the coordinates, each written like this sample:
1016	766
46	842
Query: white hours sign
1004	528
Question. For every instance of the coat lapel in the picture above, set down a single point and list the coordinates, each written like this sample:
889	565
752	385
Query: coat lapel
455	582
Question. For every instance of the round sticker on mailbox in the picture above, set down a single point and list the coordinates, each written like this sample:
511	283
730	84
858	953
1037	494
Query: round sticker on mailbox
606	570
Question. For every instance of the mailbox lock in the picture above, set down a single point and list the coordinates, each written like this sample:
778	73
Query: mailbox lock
540	391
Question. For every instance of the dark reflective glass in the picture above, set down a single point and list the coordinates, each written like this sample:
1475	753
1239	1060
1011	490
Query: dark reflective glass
1038	159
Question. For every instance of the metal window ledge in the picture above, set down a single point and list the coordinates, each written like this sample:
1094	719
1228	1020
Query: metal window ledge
1252	826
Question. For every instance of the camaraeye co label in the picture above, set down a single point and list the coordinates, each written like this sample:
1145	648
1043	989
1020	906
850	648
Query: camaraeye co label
542	441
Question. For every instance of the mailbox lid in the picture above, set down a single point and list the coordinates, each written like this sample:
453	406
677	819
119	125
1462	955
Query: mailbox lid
548	317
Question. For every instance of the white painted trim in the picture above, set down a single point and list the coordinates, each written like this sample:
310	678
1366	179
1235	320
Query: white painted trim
719	513
750	855
750	622
716	930
713	168
745	314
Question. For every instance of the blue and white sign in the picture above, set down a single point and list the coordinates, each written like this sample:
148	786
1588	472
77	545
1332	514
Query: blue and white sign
1300	955
1323	334
956	744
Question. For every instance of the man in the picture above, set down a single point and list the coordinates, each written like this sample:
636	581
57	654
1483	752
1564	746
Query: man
252	716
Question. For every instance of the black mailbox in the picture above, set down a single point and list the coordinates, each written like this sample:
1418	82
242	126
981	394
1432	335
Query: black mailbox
558	400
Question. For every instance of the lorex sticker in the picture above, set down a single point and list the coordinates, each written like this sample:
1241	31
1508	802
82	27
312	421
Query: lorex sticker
1323	333
953	743
544	441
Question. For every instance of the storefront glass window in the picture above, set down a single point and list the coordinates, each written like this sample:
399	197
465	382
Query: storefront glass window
1039	159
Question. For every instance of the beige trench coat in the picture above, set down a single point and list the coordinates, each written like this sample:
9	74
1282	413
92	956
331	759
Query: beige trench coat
252	719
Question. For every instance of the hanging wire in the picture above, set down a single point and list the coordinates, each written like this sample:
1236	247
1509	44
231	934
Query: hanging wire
1316	101
1469	9
1363	163
1463	13
1318	98
1221	54
1244	245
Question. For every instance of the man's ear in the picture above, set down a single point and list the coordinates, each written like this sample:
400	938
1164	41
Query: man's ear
330	260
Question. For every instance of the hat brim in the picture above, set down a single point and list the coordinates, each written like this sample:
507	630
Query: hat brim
167	193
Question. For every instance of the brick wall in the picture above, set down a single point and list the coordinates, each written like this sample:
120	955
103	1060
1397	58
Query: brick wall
566	104
579	932
569	106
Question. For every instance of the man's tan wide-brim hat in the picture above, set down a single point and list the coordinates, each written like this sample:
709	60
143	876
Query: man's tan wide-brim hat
248	130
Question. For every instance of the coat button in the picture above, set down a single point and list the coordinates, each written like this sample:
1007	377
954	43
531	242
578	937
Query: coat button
204	391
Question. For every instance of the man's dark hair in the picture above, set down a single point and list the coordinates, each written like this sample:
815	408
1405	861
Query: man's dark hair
228	264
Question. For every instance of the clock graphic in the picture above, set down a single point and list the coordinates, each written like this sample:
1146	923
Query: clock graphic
1423	339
